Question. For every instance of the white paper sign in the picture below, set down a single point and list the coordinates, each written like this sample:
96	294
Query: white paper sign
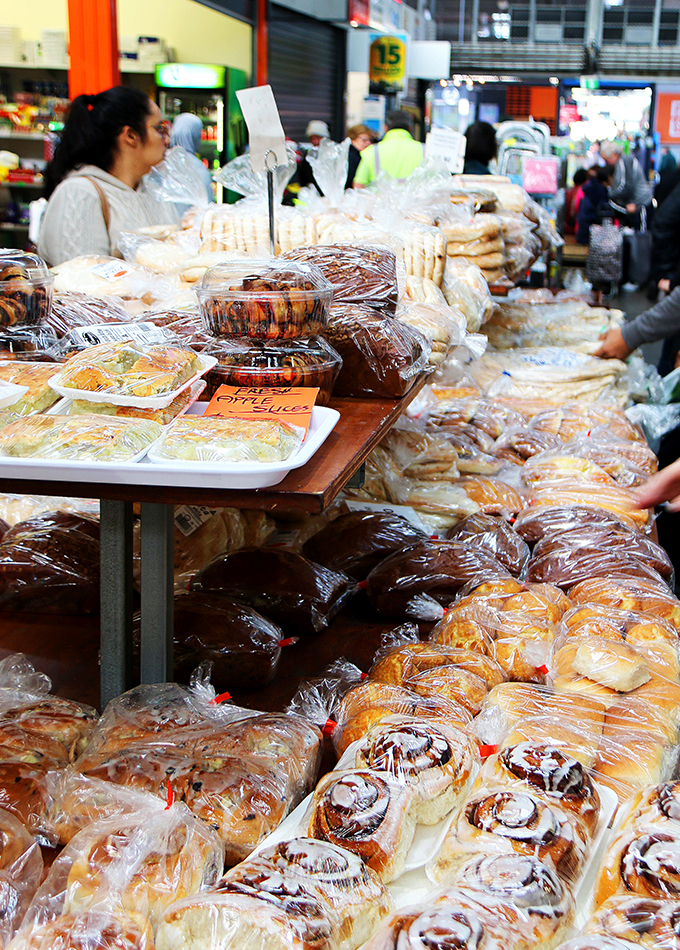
265	132
448	146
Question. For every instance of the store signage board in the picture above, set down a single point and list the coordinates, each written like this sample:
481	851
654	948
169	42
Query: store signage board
448	146
293	404
359	12
190	76
667	117
387	63
540	176
265	132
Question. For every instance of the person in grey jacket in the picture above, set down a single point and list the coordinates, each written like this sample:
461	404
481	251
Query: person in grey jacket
630	191
657	323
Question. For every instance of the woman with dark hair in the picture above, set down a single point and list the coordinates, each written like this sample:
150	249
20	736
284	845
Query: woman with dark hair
480	148
109	142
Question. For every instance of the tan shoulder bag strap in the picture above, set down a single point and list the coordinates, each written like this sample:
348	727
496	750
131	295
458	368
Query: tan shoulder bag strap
104	201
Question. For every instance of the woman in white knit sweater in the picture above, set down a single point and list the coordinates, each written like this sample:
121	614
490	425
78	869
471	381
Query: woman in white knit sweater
109	142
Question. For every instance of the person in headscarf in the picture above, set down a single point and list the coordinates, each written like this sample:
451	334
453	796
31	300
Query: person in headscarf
186	133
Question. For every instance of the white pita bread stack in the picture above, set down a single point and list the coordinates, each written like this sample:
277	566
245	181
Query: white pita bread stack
425	253
479	240
294	228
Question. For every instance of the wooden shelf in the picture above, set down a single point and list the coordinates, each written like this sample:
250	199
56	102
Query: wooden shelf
362	424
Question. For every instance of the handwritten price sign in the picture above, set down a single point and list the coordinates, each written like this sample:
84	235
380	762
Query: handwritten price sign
293	404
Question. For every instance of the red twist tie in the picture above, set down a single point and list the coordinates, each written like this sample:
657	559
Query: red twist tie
512	520
445	610
170	799
362	585
588	433
364	676
288	642
222	698
329	727
543	669
434	537
486	750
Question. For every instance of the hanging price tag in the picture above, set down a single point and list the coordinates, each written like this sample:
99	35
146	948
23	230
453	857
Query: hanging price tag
292	404
265	132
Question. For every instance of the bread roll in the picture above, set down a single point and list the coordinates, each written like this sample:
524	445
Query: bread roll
616	665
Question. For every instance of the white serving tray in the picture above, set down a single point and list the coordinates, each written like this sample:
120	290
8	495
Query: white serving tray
62	407
141	402
184	475
258	474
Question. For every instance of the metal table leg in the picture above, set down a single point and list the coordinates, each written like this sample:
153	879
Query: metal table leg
115	598
157	550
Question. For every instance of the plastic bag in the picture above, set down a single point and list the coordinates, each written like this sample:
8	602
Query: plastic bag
218	439
301	596
238	175
464	287
655	421
74	309
629	594
297	893
534	523
103	276
329	164
494	535
355	542
50	564
418	581
32	343
358	274
136	864
424	253
381	357
443	326
242	646
22	869
582	552
86	437
176	181
507	820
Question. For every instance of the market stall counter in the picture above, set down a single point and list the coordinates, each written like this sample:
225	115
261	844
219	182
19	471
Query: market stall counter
361	426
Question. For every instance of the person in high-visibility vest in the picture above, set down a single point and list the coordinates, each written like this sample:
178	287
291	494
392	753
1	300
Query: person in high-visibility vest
397	155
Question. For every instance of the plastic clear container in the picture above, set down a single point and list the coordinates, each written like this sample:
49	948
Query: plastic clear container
27	343
245	362
264	300
26	287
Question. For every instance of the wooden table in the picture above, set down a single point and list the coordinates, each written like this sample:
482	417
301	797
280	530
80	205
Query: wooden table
362	425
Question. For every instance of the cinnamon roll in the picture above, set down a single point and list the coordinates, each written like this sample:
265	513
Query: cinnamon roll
332	877
658	803
370	813
436	759
527	884
457	921
597	942
549	772
642	861
652	923
514	820
369	703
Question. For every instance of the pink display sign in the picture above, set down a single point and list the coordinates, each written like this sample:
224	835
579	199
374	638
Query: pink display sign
540	176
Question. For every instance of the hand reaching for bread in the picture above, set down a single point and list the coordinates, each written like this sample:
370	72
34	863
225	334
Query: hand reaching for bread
613	346
664	486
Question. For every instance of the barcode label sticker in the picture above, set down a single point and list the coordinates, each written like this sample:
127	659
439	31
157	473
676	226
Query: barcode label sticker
141	333
189	518
112	270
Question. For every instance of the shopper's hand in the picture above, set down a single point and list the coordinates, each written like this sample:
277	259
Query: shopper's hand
665	285
664	486
613	346
631	207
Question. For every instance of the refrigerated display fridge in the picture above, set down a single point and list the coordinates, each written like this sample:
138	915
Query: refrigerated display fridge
210	92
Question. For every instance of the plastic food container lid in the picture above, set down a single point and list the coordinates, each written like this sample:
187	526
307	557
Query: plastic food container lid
314	352
228	279
23	265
